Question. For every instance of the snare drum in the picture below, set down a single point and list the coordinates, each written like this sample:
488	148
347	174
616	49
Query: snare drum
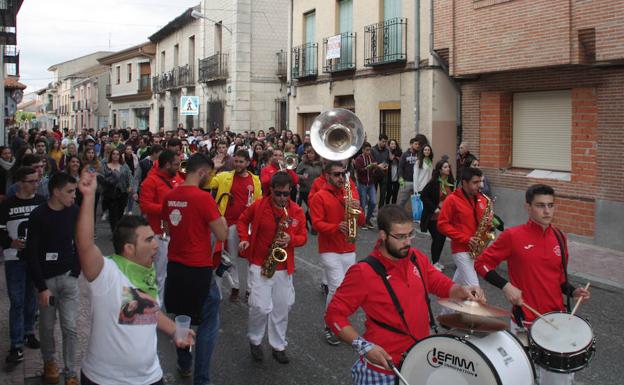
566	349
460	359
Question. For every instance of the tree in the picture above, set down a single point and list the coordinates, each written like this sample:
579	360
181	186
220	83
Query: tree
23	116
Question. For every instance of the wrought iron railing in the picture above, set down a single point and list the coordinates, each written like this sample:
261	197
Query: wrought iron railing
385	42
345	52
304	61
213	68
184	76
144	84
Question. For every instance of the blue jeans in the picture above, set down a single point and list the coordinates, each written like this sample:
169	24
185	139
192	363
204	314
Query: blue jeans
206	339
368	199
23	305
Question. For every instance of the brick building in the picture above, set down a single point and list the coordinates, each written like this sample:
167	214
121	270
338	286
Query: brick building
542	85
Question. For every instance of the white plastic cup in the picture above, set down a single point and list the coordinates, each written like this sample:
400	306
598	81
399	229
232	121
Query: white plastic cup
183	325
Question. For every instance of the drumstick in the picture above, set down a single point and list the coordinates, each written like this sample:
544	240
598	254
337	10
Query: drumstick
396	371
540	315
578	301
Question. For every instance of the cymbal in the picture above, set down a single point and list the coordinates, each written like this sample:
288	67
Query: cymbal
473	323
473	307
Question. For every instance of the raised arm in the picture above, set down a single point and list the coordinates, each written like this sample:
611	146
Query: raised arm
91	258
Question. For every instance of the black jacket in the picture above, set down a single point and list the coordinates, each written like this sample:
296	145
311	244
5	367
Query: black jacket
430	197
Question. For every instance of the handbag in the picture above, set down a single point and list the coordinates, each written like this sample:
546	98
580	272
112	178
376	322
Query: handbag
417	207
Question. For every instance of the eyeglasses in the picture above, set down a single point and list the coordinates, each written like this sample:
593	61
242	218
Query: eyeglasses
338	174
281	193
31	181
404	237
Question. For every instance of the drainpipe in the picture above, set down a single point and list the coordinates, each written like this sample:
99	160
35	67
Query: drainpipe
458	115
417	66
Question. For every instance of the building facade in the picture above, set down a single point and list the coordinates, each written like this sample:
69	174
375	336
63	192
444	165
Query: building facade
9	60
375	60
174	71
69	78
542	85
226	54
130	86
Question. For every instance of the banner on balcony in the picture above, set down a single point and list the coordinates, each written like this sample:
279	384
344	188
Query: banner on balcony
333	47
189	105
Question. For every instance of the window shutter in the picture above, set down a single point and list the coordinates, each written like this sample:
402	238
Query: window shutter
542	125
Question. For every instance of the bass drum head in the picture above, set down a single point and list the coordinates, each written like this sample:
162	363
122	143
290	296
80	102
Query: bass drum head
453	360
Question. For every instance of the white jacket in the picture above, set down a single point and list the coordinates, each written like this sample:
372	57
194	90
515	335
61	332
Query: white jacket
422	176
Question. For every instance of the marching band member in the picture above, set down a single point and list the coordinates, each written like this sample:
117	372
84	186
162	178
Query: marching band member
327	209
411	276
236	190
459	219
276	163
191	214
275	221
156	185
535	253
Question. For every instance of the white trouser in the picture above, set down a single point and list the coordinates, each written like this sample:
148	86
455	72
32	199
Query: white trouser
160	263
405	193
544	377
240	266
270	301
465	273
335	266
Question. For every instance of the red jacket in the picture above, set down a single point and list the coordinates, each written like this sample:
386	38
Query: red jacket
321	181
267	172
365	173
534	264
327	210
261	215
153	190
362	287
460	217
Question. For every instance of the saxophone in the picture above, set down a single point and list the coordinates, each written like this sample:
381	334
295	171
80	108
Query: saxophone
276	254
351	214
484	233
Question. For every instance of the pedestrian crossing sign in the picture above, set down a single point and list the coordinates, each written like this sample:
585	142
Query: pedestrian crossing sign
189	105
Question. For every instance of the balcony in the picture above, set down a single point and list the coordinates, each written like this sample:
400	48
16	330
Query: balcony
282	65
339	52
144	85
184	76
213	68
156	85
304	61
385	42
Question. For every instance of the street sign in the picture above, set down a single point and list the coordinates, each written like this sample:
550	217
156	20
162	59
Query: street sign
333	47
189	105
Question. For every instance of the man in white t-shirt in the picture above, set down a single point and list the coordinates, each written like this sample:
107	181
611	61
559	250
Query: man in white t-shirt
124	300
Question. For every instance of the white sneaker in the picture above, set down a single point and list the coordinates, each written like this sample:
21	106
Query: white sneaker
438	266
104	216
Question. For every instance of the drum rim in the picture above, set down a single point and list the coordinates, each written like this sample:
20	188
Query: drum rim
532	342
470	344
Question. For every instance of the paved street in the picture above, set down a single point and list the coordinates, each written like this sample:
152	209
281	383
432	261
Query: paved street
312	360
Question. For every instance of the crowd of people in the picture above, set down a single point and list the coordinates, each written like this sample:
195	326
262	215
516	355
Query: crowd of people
225	205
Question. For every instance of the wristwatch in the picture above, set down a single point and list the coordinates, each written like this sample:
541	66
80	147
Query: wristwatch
361	346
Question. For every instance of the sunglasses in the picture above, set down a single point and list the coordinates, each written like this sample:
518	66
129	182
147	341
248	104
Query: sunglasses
338	174
281	193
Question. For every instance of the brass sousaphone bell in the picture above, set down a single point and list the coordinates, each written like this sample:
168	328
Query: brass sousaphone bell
337	134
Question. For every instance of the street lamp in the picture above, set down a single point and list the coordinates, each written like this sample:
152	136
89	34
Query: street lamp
198	15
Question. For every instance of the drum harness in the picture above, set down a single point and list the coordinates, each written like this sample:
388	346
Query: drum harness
566	288
379	268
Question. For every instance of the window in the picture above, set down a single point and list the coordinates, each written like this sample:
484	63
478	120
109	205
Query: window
117	75
390	124
129	73
162	61
542	125
176	55
191	50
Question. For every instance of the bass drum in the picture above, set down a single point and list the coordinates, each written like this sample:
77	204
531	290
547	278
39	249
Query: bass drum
459	359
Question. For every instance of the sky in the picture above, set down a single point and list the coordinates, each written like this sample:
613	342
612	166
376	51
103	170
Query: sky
54	31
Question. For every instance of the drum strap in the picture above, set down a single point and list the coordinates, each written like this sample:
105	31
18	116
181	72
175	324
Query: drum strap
379	268
564	259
